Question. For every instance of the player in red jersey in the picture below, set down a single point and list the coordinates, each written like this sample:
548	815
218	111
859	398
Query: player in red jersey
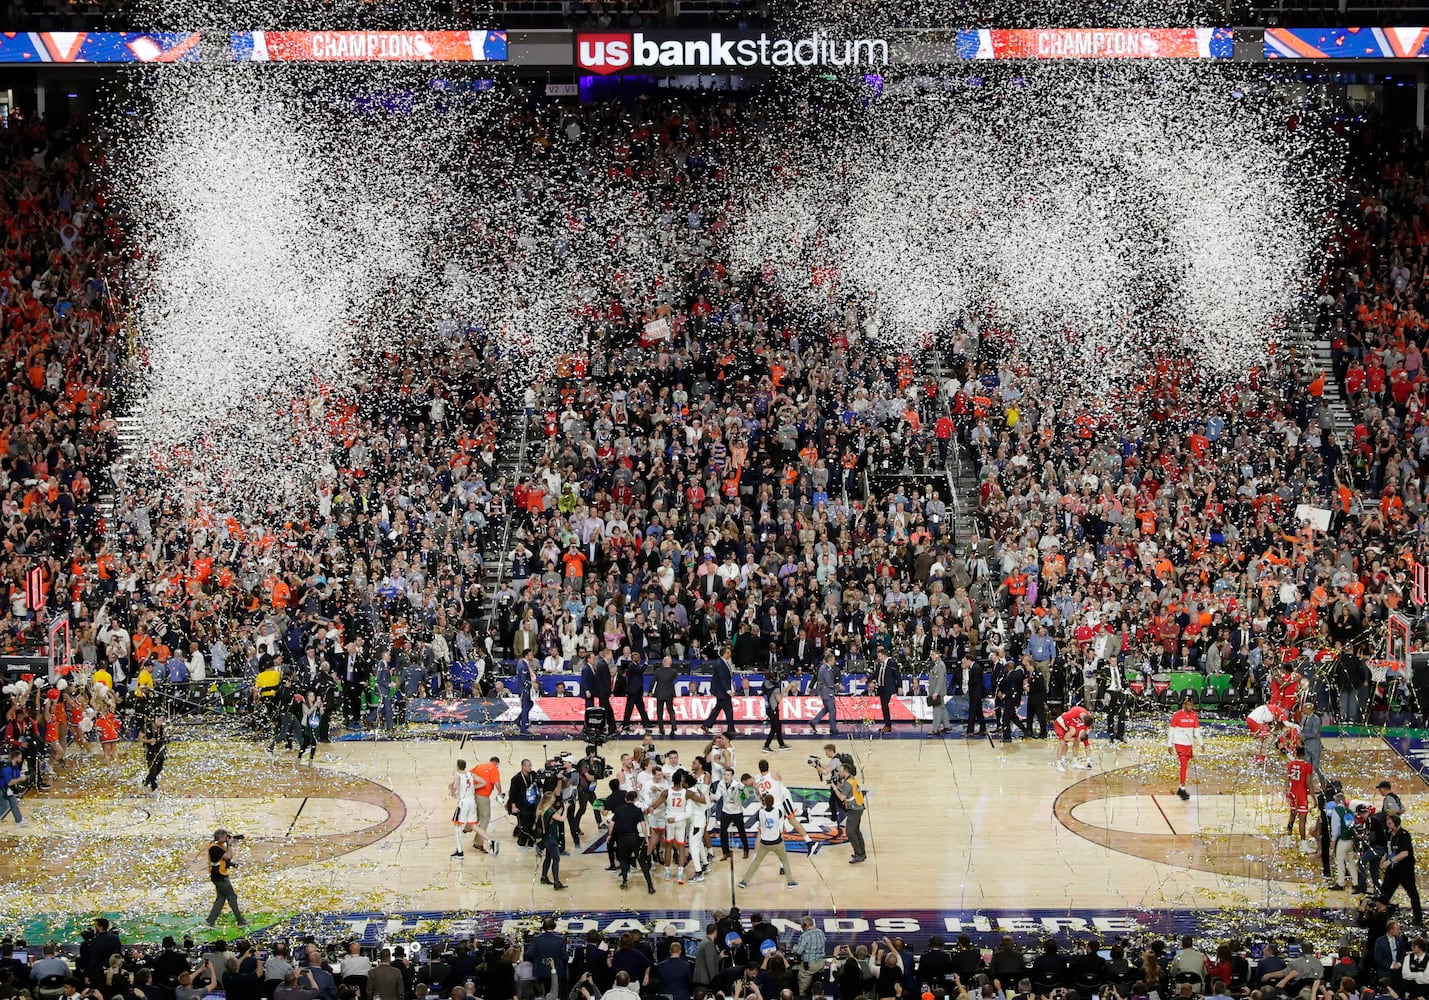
1287	688
1262	721
1183	736
1072	726
1299	773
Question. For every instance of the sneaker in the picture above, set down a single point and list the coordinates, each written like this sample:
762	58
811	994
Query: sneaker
495	848
857	859
1185	795
790	885
667	873
1088	764
744	885
1058	765
699	877
458	854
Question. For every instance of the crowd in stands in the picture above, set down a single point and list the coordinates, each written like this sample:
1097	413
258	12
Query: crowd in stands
701	473
735	956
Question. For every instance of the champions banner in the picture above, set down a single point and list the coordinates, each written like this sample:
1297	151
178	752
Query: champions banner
369	46
1096	43
1346	43
98	46
689	710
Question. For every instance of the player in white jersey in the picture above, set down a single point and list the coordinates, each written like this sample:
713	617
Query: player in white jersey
768	783
463	786
720	757
671	764
655	812
676	804
700	799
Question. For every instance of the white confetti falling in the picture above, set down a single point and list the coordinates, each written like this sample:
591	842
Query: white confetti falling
1100	217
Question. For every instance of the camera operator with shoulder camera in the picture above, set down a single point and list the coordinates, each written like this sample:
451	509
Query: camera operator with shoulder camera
828	768
591	769
220	858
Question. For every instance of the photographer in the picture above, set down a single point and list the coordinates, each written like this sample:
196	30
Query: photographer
850	797
591	769
298	985
829	774
220	857
585	988
12	776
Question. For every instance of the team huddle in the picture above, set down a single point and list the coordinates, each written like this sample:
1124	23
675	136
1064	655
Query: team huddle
658	811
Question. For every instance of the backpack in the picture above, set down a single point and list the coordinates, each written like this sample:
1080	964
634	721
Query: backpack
857	796
1347	823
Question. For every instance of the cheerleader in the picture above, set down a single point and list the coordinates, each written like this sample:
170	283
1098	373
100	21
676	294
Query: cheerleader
106	723
53	720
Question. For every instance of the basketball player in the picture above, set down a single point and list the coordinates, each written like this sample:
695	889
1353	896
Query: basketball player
1288	687
1183	736
700	799
1262	720
720	757
771	841
674	803
656	787
1071	727
768	783
463	786
1298	775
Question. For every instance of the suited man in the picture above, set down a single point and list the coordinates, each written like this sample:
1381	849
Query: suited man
526	686
310	666
824	688
1389	952
354	673
1009	694
888	678
601	683
633	667
525	638
938	695
722	690
976	691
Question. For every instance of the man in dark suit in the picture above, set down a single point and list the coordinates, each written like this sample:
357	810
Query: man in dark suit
722	691
353	672
1389	952
976	691
1009	695
633	667
598	692
888	678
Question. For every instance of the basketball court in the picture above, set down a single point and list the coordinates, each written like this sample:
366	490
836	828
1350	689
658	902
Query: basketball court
954	826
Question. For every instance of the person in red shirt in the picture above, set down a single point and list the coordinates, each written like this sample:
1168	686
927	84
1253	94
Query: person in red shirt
1299	773
1354	380
943	431
1287	688
1073	726
1263	720
1183	736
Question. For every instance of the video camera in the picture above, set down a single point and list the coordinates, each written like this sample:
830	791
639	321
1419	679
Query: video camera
599	767
555	769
